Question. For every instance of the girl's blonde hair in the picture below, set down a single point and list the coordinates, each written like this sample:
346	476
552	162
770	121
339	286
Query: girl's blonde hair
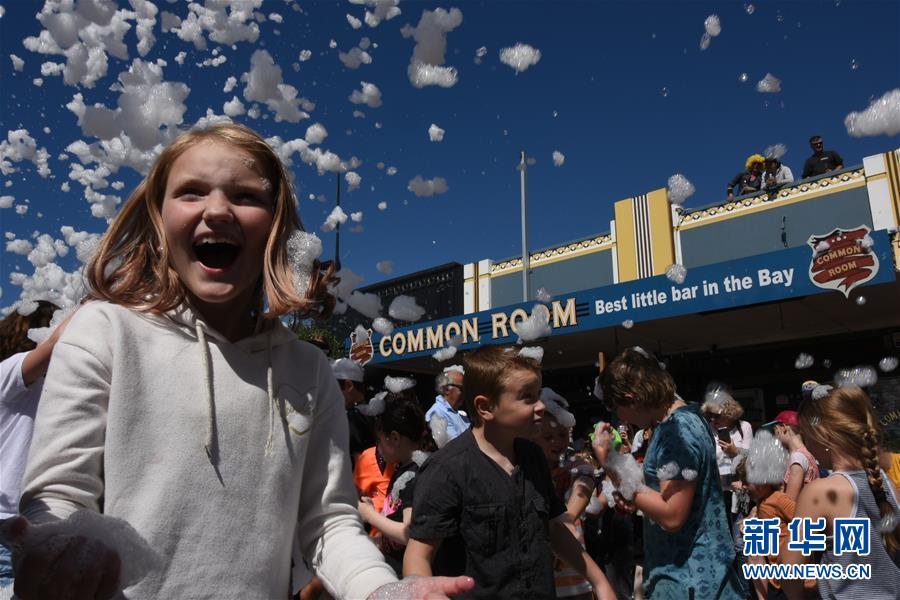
132	265
844	421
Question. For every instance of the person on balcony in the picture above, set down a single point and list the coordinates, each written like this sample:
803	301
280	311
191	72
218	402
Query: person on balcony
822	161
749	181
776	174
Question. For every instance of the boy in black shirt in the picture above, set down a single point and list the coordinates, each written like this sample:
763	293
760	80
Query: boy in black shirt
822	161
490	490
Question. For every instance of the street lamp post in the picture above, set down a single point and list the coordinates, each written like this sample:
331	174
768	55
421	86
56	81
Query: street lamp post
526	266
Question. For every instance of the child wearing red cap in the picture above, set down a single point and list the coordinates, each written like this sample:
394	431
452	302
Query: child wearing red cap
802	466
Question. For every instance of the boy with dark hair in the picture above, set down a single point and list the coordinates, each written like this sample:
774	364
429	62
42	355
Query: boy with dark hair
489	491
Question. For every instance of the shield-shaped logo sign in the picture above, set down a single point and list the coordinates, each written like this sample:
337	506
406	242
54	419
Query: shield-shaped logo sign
361	350
843	259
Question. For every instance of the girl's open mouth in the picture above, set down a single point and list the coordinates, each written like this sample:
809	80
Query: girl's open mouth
216	253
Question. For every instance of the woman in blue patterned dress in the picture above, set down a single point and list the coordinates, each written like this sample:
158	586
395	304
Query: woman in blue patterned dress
687	545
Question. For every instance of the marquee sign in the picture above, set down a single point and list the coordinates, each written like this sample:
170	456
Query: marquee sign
752	280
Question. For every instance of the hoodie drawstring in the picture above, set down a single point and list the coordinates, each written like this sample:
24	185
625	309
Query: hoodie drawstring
200	328
210	399
270	392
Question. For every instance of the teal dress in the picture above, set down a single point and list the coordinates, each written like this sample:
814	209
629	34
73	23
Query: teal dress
696	561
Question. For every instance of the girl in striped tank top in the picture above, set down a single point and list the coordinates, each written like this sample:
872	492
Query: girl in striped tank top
572	482
842	432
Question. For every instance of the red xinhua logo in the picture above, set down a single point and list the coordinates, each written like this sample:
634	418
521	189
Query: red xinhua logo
843	259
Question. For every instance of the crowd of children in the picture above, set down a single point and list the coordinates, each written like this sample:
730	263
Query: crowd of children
214	446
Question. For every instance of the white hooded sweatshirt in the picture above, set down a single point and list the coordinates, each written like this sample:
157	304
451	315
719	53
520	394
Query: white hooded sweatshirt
217	453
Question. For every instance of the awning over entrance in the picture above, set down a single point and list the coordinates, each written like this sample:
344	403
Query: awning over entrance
796	293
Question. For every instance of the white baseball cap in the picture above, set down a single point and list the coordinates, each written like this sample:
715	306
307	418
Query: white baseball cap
345	368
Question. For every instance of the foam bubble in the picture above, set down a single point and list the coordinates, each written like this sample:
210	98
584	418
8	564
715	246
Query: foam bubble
375	406
438	425
804	361
398	384
535	326
676	273
679	189
888	364
536	353
861	376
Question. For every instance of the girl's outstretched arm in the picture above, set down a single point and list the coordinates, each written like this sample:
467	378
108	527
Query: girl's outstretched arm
329	529
397	531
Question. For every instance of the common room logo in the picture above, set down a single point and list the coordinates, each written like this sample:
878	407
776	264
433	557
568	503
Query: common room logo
361	350
843	259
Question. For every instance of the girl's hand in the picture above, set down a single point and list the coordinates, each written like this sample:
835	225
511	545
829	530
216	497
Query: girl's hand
59	565
622	504
728	448
366	507
602	442
424	588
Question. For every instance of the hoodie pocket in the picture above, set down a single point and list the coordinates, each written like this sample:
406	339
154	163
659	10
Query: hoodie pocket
299	408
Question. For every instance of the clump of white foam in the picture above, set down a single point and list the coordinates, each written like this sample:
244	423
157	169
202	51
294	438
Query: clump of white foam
668	471
435	133
445	354
535	353
628	323
361	334
426	66
689	474
823	246
543	295
395	385
404	308
820	391
769	84
335	218
420	456
559	159
679	189
427	187
520	57
881	118
400	484
556	405
676	273
804	361
536	326
767	459
303	249
862	376
624	466
775	151
383	326
713	25
887	364
594	507
374	407
438	425
138	559
609	491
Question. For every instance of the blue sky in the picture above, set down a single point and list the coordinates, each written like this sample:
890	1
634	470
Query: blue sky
622	89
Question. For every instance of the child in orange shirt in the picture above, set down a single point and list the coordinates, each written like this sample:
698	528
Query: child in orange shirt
762	473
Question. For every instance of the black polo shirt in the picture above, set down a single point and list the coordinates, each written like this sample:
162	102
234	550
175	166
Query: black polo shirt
501	520
819	164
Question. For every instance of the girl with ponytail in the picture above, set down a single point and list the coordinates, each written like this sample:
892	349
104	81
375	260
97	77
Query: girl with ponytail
842	432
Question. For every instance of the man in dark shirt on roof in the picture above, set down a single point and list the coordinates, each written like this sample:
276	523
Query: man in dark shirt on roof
822	161
490	490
